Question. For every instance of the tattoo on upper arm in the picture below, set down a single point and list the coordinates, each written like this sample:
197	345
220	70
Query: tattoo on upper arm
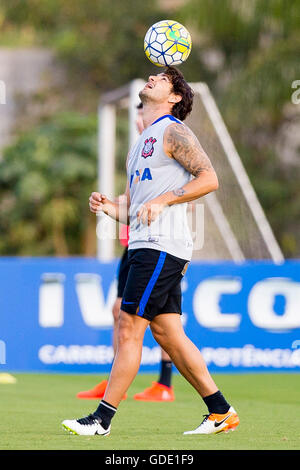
185	148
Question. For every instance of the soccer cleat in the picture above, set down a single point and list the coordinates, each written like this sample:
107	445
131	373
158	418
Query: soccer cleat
96	393
157	392
88	426
214	423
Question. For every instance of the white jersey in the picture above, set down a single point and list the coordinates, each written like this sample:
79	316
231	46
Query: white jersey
152	173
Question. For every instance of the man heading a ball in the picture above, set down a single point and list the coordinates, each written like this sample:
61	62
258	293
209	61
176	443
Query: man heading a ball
166	169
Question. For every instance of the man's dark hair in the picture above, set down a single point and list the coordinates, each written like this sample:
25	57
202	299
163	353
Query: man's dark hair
140	105
180	87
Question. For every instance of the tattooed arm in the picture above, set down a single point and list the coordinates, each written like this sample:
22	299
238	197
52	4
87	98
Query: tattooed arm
182	145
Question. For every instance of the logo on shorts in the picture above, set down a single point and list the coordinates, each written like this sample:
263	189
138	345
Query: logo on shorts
148	147
185	268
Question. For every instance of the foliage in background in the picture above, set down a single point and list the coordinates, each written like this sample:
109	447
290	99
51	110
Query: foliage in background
99	41
247	52
45	180
254	50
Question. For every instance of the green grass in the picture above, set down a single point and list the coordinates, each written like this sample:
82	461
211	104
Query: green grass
32	410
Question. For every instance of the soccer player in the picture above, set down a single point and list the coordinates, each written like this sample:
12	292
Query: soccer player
160	168
162	389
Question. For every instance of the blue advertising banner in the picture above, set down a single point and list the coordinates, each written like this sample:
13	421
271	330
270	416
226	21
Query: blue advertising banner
55	315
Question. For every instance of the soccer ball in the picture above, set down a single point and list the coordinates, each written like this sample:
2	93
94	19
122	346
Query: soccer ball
167	43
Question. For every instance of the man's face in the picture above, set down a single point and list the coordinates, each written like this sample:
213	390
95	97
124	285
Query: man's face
158	89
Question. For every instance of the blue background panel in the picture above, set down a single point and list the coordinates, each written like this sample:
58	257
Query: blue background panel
55	315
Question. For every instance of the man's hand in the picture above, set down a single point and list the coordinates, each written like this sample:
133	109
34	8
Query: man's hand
98	202
150	211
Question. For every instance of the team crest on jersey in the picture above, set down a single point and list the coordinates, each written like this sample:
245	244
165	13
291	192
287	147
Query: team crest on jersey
148	147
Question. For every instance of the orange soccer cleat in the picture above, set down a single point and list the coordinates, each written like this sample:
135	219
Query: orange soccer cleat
96	393
214	423
157	392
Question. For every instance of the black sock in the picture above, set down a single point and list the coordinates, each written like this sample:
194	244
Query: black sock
165	373
106	412
216	403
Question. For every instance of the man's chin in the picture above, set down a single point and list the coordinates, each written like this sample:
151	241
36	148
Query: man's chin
144	96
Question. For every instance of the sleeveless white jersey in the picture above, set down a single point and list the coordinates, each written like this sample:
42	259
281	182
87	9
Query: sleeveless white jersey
151	173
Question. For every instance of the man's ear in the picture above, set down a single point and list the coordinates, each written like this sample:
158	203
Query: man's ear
174	98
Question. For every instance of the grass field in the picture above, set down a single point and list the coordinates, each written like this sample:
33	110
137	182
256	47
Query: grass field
33	408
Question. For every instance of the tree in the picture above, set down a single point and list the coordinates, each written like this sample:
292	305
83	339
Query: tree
247	52
100	41
258	44
46	177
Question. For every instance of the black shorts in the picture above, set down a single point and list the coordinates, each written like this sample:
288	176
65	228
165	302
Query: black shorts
123	273
153	284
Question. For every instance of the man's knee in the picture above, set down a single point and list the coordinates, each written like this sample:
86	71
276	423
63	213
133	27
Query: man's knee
167	333
127	331
158	333
116	310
